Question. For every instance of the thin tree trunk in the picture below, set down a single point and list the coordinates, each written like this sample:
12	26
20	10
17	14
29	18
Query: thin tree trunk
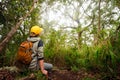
14	29
99	18
97	36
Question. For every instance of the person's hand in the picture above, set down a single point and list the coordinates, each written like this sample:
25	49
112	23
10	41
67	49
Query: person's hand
45	72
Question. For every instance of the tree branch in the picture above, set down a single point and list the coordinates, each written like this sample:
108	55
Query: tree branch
14	29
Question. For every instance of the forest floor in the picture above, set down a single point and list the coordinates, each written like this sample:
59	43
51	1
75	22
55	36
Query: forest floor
81	75
72	75
60	74
64	74
54	75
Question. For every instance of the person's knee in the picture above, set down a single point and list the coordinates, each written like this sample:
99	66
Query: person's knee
48	66
51	66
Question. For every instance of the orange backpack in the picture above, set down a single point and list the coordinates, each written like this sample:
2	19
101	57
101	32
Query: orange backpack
24	52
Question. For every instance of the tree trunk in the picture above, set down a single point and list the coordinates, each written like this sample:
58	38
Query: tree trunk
99	18
97	37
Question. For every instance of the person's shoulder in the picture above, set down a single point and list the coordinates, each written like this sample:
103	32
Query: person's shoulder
40	44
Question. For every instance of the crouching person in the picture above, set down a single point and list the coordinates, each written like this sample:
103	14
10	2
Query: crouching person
37	53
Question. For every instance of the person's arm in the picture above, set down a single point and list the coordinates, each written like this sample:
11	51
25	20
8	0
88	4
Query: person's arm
41	58
41	64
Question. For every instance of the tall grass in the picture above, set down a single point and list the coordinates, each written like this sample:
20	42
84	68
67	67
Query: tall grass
103	56
54	48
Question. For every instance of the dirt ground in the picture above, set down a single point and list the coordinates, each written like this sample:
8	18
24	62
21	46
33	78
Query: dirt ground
54	75
70	75
60	75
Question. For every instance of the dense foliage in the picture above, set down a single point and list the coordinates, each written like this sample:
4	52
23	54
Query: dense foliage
67	48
